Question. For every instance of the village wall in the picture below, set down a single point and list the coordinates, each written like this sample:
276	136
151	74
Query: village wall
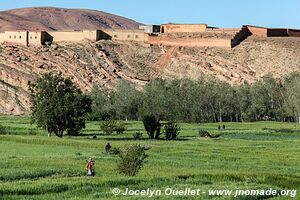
183	28
73	36
195	42
124	35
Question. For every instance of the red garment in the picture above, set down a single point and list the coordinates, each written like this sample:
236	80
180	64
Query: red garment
90	165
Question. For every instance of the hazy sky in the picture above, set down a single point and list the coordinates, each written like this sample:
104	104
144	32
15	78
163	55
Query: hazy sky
223	13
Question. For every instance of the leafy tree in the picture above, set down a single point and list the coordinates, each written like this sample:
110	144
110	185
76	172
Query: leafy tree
292	97
152	126
57	105
103	107
128	101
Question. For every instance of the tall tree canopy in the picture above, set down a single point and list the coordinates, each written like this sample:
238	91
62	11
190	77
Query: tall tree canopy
58	105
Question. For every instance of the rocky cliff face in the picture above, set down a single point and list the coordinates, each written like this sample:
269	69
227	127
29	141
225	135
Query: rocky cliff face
104	62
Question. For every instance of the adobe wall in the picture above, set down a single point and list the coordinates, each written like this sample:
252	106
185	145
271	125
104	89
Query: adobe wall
73	36
195	42
277	32
258	31
240	36
124	35
16	37
223	30
293	32
36	38
183	28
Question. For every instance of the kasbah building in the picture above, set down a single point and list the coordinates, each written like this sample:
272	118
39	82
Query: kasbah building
164	34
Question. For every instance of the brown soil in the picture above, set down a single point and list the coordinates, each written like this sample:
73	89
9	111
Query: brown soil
104	62
47	18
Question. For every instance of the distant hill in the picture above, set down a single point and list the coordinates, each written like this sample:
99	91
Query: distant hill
49	18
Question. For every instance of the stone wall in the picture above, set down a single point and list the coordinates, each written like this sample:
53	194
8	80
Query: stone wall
195	42
183	28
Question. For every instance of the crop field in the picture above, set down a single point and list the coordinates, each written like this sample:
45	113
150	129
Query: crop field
258	155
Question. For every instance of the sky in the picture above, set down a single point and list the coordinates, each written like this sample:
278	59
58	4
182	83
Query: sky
221	13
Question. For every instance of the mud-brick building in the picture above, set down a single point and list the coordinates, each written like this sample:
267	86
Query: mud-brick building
124	35
23	37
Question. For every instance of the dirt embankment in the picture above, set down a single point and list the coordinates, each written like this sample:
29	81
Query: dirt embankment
104	62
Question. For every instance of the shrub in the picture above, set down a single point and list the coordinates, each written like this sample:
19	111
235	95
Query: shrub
108	126
131	160
152	126
172	130
120	127
114	151
203	133
138	135
3	130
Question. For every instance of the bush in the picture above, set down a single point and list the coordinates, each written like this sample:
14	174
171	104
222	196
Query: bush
120	127
3	130
131	160
114	151
172	130
152	126
138	135
203	133
108	126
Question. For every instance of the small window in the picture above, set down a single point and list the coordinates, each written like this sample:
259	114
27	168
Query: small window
128	36
35	37
10	37
30	37
20	37
15	37
115	36
136	37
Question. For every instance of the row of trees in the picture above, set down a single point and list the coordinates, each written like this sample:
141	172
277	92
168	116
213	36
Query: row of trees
59	106
201	101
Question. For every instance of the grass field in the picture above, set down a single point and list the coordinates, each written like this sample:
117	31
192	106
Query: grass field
259	155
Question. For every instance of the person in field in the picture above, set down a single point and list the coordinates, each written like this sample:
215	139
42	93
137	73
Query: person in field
90	167
107	147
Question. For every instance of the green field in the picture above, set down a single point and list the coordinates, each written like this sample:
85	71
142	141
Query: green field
259	155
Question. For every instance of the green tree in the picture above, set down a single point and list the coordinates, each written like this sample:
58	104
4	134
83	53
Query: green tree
292	97
128	101
58	105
